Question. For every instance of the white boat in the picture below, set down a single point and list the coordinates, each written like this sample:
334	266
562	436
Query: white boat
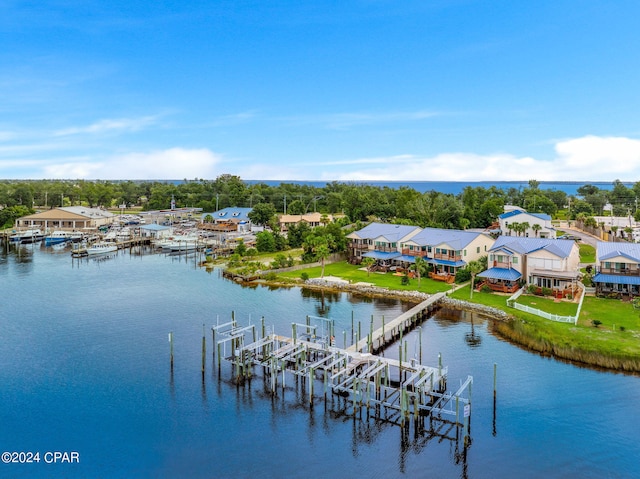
75	236
101	247
123	234
182	243
30	235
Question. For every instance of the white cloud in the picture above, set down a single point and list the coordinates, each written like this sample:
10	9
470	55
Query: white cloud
607	155
173	163
588	158
107	125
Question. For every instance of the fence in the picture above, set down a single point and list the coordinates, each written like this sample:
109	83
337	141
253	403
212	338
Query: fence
511	302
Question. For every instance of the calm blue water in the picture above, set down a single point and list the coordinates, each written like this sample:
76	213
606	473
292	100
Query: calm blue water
84	366
456	187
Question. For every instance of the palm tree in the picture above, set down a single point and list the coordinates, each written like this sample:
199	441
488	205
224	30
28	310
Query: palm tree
321	247
368	262
474	268
419	265
536	228
614	229
524	226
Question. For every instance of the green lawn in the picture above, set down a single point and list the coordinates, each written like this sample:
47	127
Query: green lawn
587	253
562	308
354	274
615	343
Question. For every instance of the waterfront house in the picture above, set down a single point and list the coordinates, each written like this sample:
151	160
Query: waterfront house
312	219
446	250
67	218
617	269
230	219
543	262
514	215
379	241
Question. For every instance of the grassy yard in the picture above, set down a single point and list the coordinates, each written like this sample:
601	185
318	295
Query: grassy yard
354	274
587	253
614	344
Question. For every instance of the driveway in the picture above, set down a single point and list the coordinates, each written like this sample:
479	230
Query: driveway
584	237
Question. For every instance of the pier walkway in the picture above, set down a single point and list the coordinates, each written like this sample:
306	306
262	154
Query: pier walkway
379	339
394	390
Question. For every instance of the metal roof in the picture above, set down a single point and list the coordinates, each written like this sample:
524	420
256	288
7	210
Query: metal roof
606	250
381	255
444	262
392	233
513	213
153	227
524	245
616	279
405	258
457	239
505	274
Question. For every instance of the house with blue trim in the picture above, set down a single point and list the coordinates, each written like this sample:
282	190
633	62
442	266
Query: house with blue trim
379	241
543	262
514	214
446	250
617	269
399	245
228	219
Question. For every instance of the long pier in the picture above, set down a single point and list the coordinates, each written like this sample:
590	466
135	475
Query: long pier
395	390
379	339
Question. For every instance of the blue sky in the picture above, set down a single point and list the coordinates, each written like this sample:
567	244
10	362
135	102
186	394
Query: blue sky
320	90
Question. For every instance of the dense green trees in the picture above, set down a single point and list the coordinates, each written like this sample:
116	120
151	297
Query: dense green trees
474	207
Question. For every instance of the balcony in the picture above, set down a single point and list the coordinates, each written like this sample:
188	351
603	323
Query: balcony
358	246
414	252
447	257
633	271
502	264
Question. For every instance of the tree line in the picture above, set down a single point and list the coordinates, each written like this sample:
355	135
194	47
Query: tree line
474	207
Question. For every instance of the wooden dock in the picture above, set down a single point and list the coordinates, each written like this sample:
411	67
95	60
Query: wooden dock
395	390
379	339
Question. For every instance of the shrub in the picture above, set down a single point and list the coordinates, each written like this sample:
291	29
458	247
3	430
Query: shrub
304	276
463	275
404	280
596	322
546	291
485	289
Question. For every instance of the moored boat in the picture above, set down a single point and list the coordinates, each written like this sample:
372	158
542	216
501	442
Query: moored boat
30	235
101	247
56	237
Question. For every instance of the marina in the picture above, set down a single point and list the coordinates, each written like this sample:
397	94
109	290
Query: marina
88	352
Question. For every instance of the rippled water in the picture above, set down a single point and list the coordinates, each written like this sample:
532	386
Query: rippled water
84	366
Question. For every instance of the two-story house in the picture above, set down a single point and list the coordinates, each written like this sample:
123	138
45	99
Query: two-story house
447	250
379	241
515	216
617	269
547	263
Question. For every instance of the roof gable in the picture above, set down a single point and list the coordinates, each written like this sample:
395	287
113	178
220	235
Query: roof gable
391	233
456	239
606	251
524	245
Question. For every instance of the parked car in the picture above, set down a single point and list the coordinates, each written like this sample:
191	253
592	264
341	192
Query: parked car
569	237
